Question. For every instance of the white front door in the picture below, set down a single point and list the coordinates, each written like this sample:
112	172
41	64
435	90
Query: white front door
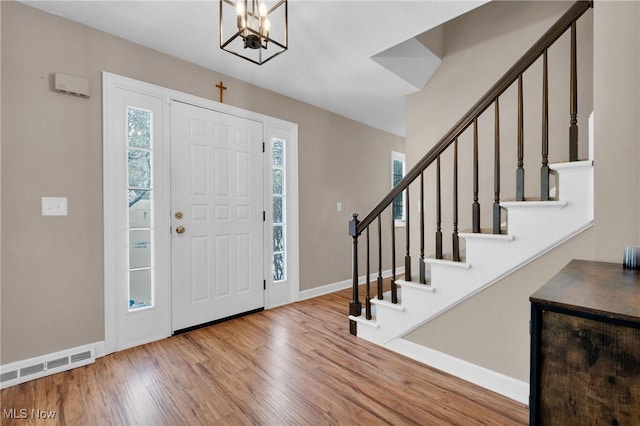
217	227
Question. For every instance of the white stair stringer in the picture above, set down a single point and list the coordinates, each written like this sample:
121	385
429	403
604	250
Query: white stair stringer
534	228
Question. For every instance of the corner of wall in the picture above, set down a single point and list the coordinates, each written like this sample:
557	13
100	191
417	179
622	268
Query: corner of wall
617	128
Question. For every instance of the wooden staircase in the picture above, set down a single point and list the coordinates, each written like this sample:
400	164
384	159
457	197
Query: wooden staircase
534	228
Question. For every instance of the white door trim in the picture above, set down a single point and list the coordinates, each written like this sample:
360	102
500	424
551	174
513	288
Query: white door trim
112	82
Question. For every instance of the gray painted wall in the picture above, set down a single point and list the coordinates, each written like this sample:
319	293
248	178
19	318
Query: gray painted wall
52	282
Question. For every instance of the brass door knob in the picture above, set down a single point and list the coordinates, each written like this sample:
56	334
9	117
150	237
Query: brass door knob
180	229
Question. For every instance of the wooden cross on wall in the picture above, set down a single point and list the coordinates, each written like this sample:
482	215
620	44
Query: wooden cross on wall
222	88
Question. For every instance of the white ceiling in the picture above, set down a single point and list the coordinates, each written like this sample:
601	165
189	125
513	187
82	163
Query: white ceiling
331	44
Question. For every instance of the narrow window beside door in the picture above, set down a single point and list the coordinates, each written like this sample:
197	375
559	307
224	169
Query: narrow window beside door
278	171
140	195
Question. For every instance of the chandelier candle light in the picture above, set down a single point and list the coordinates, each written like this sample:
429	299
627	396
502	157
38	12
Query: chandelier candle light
258	32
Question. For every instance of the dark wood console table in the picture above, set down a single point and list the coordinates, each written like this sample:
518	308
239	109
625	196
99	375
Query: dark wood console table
585	347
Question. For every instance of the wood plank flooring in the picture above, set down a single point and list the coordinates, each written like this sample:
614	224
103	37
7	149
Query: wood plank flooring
293	365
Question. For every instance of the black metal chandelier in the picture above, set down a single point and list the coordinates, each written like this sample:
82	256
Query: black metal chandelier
258	32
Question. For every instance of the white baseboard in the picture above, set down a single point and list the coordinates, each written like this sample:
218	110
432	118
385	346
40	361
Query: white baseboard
45	365
330	288
100	349
488	379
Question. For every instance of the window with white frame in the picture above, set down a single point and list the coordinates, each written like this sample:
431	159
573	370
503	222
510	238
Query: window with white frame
279	193
398	169
140	190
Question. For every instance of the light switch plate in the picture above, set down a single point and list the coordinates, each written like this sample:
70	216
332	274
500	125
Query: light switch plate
339	206
54	206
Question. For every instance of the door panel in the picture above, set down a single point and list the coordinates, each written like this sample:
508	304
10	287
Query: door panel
217	184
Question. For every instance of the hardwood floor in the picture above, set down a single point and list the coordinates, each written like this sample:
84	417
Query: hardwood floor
293	365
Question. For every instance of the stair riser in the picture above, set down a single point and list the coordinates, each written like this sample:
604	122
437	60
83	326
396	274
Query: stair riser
577	185
446	276
544	223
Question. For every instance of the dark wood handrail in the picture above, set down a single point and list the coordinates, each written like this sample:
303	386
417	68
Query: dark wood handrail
553	34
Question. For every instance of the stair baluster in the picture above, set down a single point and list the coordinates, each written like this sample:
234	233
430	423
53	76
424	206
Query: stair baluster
380	280
544	170
394	287
368	281
456	239
520	170
438	212
476	204
497	219
423	273
407	256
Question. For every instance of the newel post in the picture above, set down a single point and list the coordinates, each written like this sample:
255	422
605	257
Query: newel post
355	307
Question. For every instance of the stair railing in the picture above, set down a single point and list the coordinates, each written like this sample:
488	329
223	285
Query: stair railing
357	227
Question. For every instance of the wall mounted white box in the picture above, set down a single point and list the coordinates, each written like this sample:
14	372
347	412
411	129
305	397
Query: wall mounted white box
54	206
71	85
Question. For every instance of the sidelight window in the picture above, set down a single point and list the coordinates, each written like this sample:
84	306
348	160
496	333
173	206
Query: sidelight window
140	196
279	193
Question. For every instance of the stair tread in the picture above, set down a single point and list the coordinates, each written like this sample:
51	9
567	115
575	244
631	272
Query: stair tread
487	236
503	231
414	282
586	163
449	257
527	199
554	203
417	285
